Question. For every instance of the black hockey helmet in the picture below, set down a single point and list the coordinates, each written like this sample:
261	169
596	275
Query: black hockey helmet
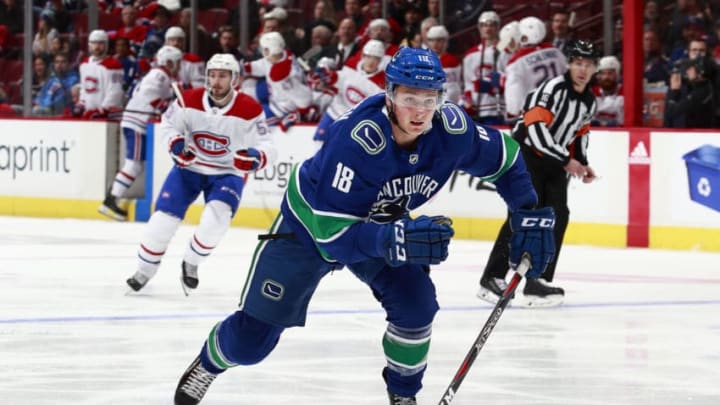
581	48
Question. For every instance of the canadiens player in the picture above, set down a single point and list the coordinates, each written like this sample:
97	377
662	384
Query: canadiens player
609	94
215	139
192	67
349	205
290	96
437	38
101	77
350	85
533	63
149	99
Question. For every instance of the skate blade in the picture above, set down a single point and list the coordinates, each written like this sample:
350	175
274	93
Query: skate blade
540	302
186	288
111	214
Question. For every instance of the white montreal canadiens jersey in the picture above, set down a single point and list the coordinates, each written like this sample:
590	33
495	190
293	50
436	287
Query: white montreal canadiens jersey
217	133
149	99
286	83
101	81
477	65
353	87
610	107
192	71
527	68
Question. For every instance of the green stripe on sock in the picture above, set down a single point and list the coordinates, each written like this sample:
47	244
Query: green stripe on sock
406	354
214	352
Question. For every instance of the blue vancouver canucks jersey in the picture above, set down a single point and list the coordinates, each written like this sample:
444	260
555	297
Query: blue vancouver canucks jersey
361	179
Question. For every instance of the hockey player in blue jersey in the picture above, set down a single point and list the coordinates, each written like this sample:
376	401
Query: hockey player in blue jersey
349	206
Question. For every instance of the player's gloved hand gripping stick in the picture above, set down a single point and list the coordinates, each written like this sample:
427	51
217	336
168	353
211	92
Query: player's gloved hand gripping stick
182	151
423	240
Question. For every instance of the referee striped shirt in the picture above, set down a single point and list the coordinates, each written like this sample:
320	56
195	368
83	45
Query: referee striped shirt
556	120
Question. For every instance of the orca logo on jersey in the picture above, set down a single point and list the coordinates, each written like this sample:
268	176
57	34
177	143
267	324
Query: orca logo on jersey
211	144
354	95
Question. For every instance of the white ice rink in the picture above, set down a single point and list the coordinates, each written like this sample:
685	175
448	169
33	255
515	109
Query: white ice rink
638	327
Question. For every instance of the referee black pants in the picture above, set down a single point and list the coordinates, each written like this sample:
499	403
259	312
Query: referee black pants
551	183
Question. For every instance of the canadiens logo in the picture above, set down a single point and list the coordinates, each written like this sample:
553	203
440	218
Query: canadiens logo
211	144
90	84
354	95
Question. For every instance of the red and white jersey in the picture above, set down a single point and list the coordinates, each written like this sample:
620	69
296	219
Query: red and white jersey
286	84
217	133
101	81
192	71
526	69
354	85
610	107
453	76
477	64
148	100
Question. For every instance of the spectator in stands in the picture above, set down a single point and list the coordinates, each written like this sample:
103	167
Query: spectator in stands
290	96
353	10
617	48
192	67
155	36
54	96
685	12
691	98
323	14
438	37
60	15
608	94
433	9
276	20
481	73
57	45
692	28
374	10
204	42
46	32
101	79
560	28
348	41
130	66
322	45
651	15
11	16
656	64
40	76
75	109
135	33
227	42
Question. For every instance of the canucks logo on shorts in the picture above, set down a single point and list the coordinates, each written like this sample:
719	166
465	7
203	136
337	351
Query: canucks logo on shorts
273	290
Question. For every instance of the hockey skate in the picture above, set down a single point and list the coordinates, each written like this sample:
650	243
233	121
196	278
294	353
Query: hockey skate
189	277
193	384
539	293
137	281
491	289
111	209
396	399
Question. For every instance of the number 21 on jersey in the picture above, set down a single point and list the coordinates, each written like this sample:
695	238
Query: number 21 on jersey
343	178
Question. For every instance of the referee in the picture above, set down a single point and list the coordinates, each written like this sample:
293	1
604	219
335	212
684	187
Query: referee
553	136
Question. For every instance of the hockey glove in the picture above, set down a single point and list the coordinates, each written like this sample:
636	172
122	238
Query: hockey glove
249	159
532	233
423	240
289	120
182	154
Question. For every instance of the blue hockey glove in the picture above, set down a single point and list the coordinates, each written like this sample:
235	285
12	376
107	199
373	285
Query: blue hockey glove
182	155
423	240
532	233
495	79
249	159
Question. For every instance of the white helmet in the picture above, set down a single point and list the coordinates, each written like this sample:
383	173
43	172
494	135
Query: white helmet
609	62
98	36
222	61
532	31
438	32
168	54
489	17
508	33
375	48
273	42
174	32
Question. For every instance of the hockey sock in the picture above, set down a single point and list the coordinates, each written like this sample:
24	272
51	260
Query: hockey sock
214	223
158	232
406	353
126	177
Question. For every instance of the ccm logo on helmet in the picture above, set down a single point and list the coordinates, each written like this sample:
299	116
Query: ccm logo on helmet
531	222
210	144
423	77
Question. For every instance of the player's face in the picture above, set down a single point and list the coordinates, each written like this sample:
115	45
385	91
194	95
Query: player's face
438	45
607	78
98	48
489	30
581	71
414	108
370	63
219	83
177	42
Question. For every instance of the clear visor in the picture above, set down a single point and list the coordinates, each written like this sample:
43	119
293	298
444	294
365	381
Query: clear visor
420	102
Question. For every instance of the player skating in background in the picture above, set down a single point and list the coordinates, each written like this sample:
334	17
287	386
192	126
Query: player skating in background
350	85
192	67
149	99
101	77
215	139
553	134
349	205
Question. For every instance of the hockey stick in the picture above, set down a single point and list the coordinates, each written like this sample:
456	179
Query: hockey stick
502	303
181	101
